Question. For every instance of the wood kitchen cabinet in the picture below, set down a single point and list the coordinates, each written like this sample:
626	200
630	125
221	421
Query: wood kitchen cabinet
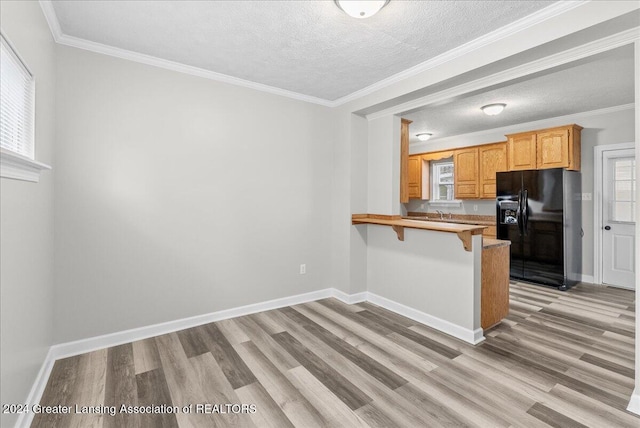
546	148
414	180
404	160
559	148
475	167
522	151
466	167
494	302
493	158
418	176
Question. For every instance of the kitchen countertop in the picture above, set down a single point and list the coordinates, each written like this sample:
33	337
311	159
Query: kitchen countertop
464	231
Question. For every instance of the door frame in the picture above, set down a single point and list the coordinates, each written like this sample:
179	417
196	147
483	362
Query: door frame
598	181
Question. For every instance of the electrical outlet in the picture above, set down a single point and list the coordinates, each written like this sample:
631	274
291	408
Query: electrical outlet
475	207
587	197
303	269
422	205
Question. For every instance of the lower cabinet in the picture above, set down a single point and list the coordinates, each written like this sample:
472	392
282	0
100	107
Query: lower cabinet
494	303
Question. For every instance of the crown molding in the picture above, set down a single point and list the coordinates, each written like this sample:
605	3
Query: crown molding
537	17
52	18
542	15
76	42
560	58
183	68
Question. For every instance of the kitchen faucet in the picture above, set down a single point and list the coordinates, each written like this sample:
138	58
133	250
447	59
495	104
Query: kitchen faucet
441	214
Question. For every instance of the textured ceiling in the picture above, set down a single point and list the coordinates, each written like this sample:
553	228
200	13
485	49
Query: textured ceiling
308	47
601	81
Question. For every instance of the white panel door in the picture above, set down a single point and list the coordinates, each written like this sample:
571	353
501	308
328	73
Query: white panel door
618	215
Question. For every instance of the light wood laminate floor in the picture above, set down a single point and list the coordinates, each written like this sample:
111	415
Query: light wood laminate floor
561	359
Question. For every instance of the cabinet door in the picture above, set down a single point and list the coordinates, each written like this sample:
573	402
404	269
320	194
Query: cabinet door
522	151
415	177
493	158
466	171
553	149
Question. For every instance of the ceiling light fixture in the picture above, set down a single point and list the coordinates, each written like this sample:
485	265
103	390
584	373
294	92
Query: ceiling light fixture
493	109
361	8
424	136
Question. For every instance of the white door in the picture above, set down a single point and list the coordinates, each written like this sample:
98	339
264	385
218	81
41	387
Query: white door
618	218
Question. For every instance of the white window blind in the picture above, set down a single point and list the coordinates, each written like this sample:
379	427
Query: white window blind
442	180
17	97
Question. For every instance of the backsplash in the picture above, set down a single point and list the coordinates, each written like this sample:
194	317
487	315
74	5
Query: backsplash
484	207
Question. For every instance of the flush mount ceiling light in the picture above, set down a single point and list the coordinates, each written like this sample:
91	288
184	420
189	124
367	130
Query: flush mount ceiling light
361	8
424	136
493	109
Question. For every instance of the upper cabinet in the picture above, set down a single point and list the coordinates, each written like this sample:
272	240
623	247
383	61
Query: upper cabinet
522	151
548	148
493	158
415	177
466	167
475	167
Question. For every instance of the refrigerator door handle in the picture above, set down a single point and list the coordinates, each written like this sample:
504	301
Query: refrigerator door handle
525	215
519	212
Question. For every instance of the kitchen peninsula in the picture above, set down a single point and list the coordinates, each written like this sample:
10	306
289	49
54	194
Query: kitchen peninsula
464	232
423	271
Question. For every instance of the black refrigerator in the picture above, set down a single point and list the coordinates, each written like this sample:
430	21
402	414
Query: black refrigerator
539	211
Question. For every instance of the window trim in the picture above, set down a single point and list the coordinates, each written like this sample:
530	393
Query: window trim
438	202
453	203
14	165
18	167
435	184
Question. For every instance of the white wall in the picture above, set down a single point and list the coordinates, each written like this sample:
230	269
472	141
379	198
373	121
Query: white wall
600	128
26	222
470	206
634	403
178	196
384	166
429	271
147	233
359	202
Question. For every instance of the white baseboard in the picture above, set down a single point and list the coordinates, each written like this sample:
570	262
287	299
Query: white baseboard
470	336
82	346
113	339
587	278
350	299
634	402
25	419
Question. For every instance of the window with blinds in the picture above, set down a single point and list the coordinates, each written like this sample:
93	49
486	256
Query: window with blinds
17	98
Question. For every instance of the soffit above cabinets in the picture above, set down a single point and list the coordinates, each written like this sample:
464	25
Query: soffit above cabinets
308	48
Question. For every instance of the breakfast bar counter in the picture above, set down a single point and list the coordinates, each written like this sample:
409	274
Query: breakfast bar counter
425	274
464	231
